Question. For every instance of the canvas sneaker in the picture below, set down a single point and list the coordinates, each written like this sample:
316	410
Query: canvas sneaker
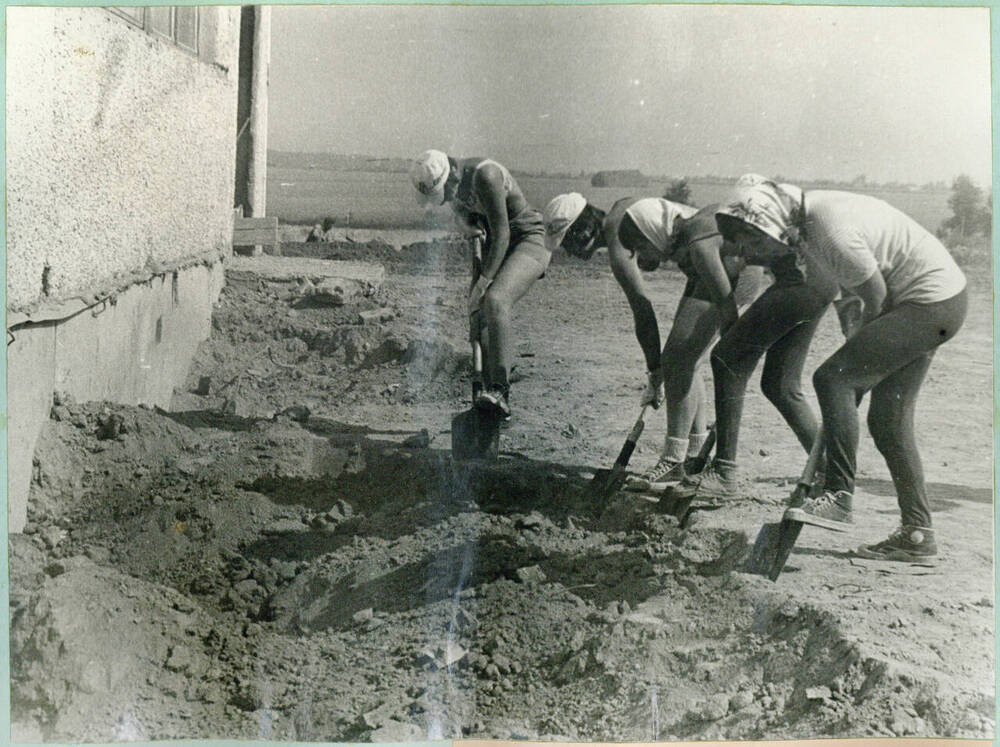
907	544
665	472
829	510
716	482
494	399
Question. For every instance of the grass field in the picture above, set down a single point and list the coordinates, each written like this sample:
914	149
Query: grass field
386	200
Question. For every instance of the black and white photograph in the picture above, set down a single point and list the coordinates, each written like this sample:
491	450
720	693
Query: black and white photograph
550	373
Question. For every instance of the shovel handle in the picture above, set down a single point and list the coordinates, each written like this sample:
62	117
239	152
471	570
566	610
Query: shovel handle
633	438
809	471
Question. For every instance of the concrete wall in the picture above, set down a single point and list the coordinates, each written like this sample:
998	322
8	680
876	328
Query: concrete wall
121	149
133	350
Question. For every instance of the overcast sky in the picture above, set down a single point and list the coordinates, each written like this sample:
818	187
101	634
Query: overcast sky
812	92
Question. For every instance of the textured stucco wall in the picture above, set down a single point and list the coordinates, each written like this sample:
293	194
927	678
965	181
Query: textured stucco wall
120	149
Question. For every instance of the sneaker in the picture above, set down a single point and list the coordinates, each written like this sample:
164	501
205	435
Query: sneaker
494	399
825	511
665	473
695	465
801	492
906	544
716	482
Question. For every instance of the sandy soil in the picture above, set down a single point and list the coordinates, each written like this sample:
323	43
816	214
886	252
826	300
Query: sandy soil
292	553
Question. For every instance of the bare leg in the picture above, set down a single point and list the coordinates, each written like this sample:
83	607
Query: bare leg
694	329
517	274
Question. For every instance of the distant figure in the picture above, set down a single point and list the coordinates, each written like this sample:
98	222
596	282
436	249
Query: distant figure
486	200
316	234
319	231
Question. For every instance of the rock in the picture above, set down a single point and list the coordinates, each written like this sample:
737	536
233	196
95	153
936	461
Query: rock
362	616
376	316
285	569
52	536
739	701
711	709
98	554
902	723
531	521
578	641
297	413
109	426
180	659
818	693
530	574
54	569
247	587
441	655
464	619
284	526
502	663
398	731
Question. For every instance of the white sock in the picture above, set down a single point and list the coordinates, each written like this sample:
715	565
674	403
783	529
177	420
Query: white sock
695	442
674	449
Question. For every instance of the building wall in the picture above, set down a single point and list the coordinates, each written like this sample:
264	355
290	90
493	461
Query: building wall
121	149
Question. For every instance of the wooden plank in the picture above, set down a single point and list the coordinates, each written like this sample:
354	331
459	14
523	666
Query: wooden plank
247	237
249	223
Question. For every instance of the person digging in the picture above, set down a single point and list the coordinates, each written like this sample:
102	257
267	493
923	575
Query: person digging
640	234
487	201
913	298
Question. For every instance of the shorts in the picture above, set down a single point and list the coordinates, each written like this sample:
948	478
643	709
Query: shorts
527	235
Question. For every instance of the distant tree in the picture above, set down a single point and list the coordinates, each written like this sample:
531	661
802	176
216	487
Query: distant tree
970	213
987	215
679	191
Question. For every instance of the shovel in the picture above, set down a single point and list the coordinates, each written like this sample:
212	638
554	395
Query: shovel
475	434
606	483
775	540
679	504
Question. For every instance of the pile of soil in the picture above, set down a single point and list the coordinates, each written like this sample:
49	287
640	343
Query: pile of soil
291	552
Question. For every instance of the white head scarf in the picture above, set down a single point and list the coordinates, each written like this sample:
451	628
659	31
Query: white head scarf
655	217
773	208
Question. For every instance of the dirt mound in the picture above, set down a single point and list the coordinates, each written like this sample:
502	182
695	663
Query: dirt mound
292	553
470	593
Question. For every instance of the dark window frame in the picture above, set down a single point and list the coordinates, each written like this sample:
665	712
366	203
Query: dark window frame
140	17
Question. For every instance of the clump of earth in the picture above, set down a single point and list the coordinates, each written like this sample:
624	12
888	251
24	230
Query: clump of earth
290	552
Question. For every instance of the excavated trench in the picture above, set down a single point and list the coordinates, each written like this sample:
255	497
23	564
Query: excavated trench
349	588
242	569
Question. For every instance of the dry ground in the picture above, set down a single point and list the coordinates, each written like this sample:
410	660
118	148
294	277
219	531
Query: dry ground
292	553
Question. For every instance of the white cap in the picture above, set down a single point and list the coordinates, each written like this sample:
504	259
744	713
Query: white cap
429	173
559	215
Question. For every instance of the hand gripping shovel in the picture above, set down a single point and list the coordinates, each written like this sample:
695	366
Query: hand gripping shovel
775	541
475	434
606	483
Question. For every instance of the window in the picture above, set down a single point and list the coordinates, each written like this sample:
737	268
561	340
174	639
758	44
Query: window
178	25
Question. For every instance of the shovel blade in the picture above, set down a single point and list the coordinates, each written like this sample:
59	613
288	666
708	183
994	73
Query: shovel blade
475	435
773	546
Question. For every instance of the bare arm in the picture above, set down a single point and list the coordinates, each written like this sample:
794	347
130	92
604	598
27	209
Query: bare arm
489	187
647	331
708	264
872	293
